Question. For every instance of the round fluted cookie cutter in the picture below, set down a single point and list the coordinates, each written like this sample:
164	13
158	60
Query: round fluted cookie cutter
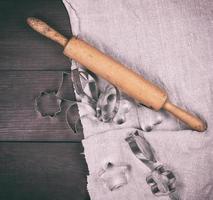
38	104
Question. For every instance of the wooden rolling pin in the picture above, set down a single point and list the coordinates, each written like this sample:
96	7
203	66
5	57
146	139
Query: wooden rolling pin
119	75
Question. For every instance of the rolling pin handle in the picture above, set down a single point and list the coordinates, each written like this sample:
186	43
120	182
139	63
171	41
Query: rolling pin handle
47	31
192	121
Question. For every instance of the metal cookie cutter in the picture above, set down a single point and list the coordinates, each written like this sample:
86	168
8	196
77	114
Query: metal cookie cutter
114	176
48	98
161	180
85	90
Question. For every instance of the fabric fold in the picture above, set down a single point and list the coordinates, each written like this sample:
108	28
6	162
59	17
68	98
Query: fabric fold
169	43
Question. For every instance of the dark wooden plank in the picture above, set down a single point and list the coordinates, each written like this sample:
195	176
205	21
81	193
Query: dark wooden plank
18	118
21	48
47	171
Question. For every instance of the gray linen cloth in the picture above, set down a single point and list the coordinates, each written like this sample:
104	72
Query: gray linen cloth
170	42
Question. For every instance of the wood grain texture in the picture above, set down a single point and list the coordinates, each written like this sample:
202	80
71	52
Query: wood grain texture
18	118
42	171
29	64
21	48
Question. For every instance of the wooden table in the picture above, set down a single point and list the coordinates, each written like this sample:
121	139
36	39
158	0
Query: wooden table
40	158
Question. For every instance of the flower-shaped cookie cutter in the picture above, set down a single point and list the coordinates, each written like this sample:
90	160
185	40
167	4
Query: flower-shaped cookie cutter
43	109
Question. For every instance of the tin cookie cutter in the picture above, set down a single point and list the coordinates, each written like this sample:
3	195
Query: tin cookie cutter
50	98
161	180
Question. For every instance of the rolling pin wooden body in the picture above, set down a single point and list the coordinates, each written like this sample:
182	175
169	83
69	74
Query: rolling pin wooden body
119	75
106	67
